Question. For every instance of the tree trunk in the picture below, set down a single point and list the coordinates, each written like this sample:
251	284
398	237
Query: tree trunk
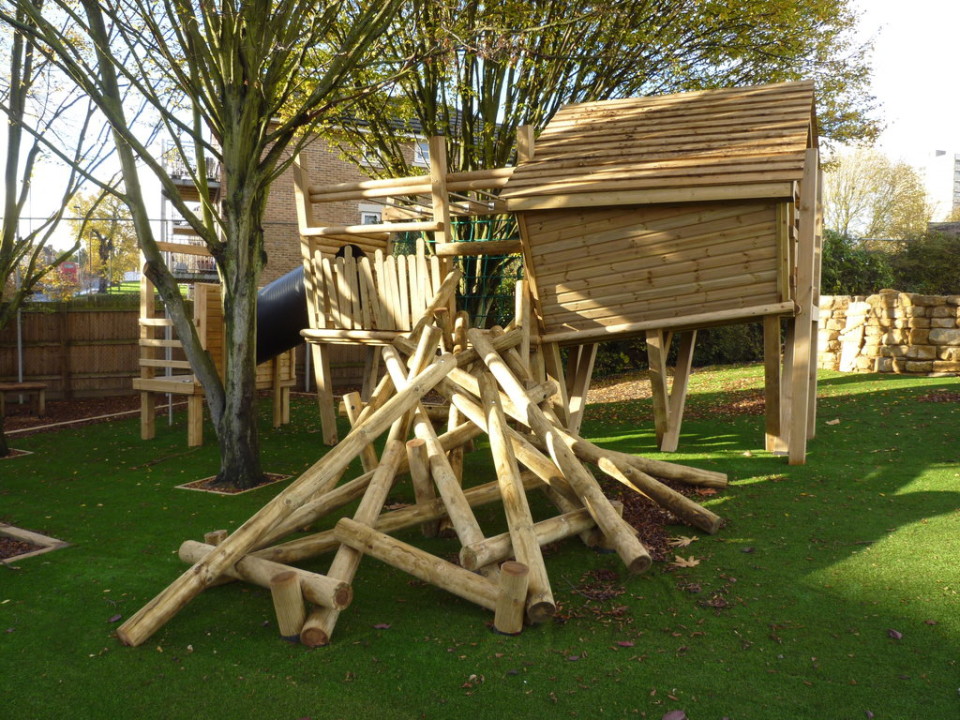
240	266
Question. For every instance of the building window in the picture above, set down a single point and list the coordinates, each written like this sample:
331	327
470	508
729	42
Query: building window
370	214
421	153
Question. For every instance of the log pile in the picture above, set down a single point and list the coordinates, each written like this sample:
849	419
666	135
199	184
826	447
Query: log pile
496	386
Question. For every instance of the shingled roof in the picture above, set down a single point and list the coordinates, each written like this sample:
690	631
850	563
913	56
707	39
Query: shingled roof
739	143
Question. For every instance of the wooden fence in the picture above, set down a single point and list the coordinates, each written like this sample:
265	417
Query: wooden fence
93	352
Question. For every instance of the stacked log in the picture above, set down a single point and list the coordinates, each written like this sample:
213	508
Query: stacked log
492	388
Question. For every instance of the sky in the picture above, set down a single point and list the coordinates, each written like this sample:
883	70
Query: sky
916	63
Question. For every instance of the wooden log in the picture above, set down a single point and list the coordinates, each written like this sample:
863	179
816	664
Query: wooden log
446	481
316	479
288	604
804	341
395	227
323	542
416	562
668	498
215	537
354	406
632	552
422	485
318	589
511	598
499	547
530	456
486	247
540	602
676	322
678	391
771	383
320	624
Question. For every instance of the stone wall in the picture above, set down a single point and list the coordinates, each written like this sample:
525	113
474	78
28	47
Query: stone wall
890	332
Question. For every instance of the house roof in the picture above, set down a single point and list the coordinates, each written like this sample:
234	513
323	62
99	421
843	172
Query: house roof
709	145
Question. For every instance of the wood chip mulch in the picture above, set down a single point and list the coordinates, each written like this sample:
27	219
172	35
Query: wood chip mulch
11	547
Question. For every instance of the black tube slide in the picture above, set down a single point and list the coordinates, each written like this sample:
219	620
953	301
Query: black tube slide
281	315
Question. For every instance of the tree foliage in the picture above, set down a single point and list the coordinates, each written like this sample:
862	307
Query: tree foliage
105	229
212	77
929	264
868	195
852	268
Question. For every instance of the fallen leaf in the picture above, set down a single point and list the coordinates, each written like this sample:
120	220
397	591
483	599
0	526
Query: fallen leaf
835	421
382	626
895	634
681	541
929	622
573	658
679	561
747	550
706	491
675	715
115	618
624	643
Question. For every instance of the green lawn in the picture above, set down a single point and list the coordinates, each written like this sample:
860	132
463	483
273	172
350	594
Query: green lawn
831	593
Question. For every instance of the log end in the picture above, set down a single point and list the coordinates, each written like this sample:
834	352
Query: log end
314	637
540	610
639	564
342	596
468	558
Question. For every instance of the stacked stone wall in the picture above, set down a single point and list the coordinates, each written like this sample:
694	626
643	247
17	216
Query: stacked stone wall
890	332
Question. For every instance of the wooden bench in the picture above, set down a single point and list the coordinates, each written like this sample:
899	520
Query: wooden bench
39	390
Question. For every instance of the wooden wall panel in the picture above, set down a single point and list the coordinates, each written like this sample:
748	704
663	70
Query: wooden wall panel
610	266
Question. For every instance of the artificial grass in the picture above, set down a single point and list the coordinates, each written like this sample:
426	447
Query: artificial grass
831	592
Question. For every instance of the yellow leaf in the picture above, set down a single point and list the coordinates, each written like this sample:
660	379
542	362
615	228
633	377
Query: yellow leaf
685	562
682	541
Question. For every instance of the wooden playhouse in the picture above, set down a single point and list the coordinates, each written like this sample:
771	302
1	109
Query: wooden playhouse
660	215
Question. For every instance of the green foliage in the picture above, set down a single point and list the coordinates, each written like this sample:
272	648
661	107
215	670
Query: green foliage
929	265
850	268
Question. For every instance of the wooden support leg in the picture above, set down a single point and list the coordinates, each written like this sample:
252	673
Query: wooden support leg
678	391
805	344
657	360
285	406
582	372
324	380
194	420
553	365
276	393
371	369
786	385
514	580
148	416
771	383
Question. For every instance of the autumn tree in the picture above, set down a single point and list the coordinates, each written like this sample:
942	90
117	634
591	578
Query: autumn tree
868	195
40	111
492	67
212	76
103	226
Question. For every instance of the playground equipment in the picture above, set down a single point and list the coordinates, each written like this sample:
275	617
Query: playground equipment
644	216
165	371
657	215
